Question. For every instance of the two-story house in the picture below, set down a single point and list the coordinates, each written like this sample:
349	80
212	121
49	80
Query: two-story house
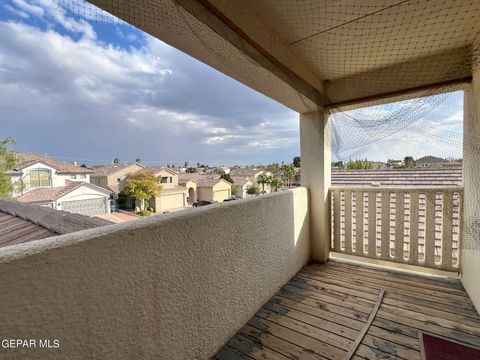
113	177
60	185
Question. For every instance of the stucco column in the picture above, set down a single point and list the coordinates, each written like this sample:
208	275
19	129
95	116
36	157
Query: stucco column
470	249
315	174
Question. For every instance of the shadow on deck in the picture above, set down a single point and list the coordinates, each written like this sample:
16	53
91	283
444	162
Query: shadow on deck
320	313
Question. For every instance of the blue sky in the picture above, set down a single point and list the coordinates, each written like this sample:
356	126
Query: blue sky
93	91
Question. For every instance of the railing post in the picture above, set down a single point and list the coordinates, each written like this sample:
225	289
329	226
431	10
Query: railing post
315	170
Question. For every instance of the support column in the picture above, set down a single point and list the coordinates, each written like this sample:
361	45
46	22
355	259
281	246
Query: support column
315	172
470	247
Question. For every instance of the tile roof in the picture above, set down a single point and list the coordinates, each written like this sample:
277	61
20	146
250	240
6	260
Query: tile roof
156	169
25	159
184	177
209	181
107	170
240	180
244	172
46	194
431	159
451	176
25	222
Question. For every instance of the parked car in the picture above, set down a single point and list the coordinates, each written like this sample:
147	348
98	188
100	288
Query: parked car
232	199
203	203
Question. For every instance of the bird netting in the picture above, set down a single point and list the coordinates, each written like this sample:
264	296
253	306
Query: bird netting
356	49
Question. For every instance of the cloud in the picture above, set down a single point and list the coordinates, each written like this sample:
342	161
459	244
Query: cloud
66	92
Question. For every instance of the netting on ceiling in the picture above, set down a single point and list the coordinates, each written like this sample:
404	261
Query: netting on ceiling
357	49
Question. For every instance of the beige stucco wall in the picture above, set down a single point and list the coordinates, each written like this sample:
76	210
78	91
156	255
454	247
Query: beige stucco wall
470	252
204	193
170	287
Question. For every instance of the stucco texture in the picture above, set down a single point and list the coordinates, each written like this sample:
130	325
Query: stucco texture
171	287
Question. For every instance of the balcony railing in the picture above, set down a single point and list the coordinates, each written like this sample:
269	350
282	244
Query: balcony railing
416	226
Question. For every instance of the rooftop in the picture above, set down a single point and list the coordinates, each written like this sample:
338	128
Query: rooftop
25	159
107	170
451	176
46	194
24	222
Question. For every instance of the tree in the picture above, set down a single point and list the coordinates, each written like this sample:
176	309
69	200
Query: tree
138	161
142	186
116	161
191	170
185	164
288	173
276	183
296	161
235	189
409	162
264	179
338	164
7	163
253	190
226	177
272	167
359	164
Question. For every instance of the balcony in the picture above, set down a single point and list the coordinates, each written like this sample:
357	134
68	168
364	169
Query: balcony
184	285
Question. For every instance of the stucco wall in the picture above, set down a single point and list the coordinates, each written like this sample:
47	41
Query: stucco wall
175	286
470	252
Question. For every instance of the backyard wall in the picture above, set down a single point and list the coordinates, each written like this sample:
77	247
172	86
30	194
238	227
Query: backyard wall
177	286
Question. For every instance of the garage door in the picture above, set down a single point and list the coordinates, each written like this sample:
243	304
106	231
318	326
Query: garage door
221	195
85	207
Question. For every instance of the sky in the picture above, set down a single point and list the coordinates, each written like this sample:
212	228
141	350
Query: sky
93	91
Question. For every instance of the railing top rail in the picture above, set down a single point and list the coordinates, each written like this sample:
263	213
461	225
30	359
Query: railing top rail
399	189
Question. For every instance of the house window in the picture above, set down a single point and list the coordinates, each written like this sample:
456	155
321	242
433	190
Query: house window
171	179
164	180
83	176
40	177
73	177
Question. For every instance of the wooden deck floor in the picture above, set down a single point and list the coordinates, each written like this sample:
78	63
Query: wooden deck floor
320	312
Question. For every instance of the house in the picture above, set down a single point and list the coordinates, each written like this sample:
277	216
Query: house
76	197
173	195
392	163
25	222
430	161
34	171
243	183
113	177
253	175
44	181
206	187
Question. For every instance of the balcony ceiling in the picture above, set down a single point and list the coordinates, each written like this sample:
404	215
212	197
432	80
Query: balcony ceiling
309	53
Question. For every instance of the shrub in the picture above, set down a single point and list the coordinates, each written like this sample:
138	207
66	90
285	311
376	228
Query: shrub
144	213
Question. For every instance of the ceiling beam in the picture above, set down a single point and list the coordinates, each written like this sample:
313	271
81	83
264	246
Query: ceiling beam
211	16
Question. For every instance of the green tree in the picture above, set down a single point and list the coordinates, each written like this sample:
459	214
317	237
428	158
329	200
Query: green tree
288	173
138	161
264	179
273	167
276	183
142	186
226	177
359	164
235	189
7	163
116	161
296	161
409	162
253	190
191	170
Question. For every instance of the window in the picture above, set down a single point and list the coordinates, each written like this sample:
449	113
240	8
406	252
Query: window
83	176
171	179
164	180
73	177
40	177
